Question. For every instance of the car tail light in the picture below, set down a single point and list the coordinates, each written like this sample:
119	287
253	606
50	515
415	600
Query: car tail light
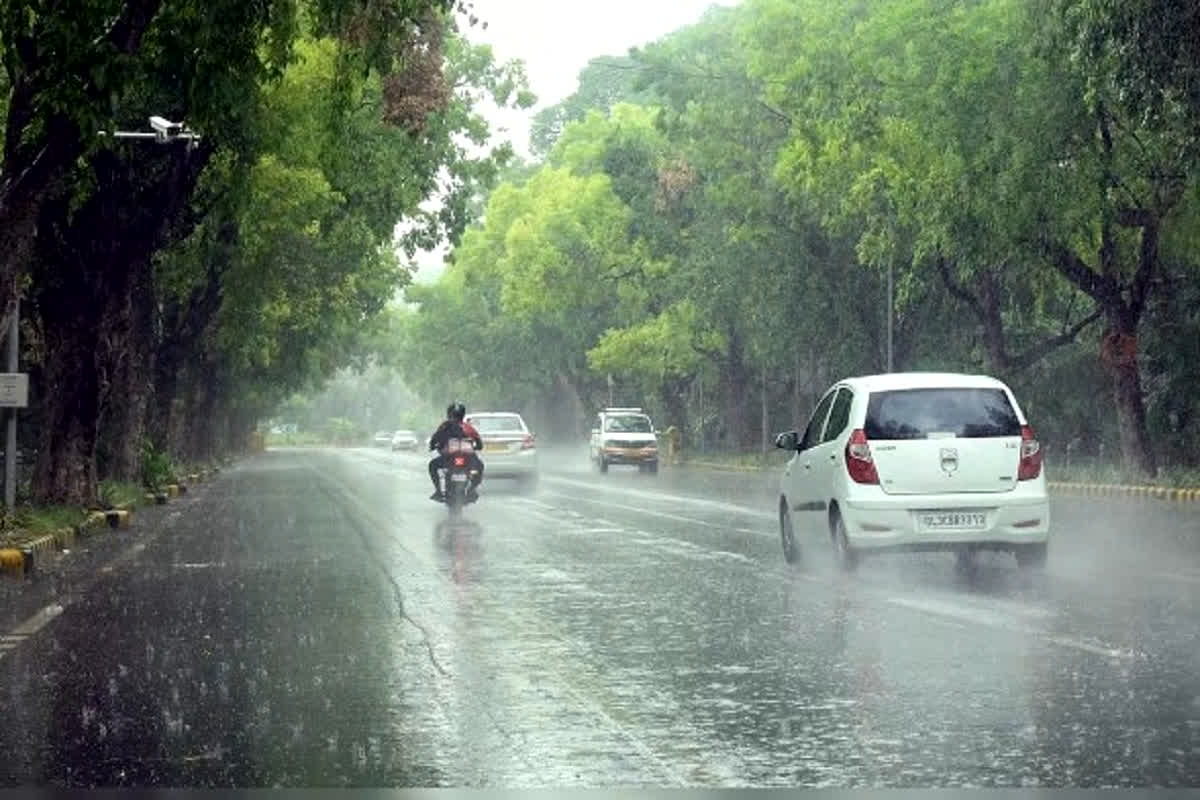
527	442
1031	455
859	463
459	461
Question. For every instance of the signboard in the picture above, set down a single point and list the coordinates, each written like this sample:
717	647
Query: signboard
14	389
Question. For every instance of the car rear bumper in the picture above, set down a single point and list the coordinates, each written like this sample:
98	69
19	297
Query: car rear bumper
619	455
875	526
509	465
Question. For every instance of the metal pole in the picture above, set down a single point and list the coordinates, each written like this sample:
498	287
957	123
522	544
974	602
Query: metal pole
10	448
890	306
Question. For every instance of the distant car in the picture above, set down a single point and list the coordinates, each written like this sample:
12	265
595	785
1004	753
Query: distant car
509	446
382	439
404	440
916	462
624	436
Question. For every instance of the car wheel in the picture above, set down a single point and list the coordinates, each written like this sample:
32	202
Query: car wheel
603	463
1031	556
787	535
652	468
529	483
844	554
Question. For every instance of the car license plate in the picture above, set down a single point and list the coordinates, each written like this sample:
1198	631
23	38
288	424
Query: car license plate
495	447
953	520
458	477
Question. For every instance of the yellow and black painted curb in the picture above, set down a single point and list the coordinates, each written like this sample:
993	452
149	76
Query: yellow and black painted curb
723	467
1176	494
24	557
1180	495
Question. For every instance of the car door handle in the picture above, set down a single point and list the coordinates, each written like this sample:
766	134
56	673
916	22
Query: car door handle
808	465
833	457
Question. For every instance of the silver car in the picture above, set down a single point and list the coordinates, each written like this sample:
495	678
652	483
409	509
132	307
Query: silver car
509	447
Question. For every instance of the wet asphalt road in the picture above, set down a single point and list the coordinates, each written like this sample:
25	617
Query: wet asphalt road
311	619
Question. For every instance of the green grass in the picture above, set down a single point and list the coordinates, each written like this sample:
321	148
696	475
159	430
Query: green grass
120	494
29	523
1112	474
744	460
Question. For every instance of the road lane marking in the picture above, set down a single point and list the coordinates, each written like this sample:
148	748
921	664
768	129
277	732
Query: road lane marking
661	514
29	627
1189	576
584	700
38	621
1002	615
1181	577
684	500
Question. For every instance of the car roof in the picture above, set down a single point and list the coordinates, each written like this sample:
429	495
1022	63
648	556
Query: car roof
478	414
921	380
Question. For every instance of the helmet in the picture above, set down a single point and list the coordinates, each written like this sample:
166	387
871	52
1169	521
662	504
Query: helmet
456	411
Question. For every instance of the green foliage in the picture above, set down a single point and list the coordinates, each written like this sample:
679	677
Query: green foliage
157	467
118	494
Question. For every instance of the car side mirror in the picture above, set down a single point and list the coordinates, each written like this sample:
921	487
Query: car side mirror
788	441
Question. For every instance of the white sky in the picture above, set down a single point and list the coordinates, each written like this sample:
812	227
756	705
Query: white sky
556	39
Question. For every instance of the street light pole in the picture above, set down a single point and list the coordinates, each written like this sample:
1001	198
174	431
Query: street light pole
10	446
891	304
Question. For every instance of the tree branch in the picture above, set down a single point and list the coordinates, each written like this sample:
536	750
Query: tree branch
126	32
1101	288
1043	348
955	288
1147	265
1134	217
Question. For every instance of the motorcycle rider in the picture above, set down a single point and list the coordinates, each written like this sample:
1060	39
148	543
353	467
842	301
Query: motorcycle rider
455	427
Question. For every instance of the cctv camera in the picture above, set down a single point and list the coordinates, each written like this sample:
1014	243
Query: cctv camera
165	128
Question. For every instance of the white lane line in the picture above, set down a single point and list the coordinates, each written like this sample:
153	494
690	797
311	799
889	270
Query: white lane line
1002	617
580	697
28	628
1189	575
660	514
38	621
662	497
1181	577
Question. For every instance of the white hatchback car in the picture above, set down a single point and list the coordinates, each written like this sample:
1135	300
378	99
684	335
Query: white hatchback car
916	462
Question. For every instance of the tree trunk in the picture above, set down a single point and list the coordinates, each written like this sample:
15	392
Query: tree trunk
766	433
736	382
127	404
1119	354
673	395
65	468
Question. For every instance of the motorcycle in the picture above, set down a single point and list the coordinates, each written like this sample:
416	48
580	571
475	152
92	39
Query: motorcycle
457	475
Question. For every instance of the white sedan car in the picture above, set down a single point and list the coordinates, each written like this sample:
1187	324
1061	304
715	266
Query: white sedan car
916	462
509	447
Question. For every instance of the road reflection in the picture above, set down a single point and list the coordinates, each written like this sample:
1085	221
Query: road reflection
459	545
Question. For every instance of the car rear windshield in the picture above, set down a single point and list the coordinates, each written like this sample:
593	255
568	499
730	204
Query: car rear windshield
627	425
922	413
501	424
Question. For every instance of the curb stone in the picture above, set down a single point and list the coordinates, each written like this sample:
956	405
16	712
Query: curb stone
24	559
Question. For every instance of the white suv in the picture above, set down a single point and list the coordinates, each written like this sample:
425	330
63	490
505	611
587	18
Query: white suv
916	461
624	436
